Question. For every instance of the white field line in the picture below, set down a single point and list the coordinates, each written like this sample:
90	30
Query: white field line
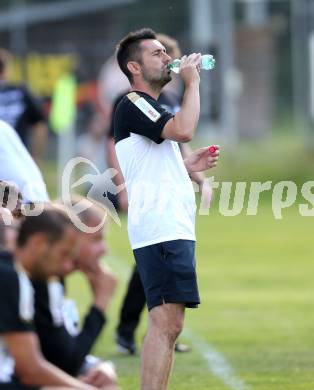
216	362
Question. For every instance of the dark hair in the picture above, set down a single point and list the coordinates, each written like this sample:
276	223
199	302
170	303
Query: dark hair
52	222
128	49
4	60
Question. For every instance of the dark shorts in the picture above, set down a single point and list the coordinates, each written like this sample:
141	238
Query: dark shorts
167	271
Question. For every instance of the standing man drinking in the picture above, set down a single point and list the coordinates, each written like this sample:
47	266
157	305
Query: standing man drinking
161	213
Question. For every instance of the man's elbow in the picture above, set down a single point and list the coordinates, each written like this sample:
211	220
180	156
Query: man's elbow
28	373
28	379
178	131
184	137
185	132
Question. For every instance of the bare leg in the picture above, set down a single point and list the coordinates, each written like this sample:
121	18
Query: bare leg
167	376
165	325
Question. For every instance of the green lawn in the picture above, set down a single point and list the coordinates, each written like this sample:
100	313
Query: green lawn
256	280
256	276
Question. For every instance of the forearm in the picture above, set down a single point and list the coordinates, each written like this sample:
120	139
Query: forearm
68	351
31	367
187	118
197	177
84	341
46	374
93	325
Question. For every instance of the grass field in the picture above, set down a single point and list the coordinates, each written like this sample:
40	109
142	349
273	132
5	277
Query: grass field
254	328
256	282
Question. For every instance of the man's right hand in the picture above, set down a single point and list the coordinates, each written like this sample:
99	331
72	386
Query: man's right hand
182	126
103	284
189	68
102	376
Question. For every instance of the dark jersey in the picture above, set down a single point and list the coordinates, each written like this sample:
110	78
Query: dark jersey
16	310
19	108
140	114
62	343
169	101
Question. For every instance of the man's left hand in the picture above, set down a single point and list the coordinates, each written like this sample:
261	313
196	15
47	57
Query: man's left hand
201	160
103	376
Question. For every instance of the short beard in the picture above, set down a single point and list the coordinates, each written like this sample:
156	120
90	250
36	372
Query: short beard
37	273
157	84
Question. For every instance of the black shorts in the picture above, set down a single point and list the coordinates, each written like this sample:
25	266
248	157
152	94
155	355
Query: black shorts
167	271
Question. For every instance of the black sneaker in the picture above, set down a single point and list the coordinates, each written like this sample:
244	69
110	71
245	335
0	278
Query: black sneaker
181	348
125	345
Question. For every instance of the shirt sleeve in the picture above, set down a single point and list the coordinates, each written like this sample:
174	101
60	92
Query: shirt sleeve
146	117
66	351
84	341
10	320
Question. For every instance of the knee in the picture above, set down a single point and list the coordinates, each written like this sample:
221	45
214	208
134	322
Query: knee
167	321
170	329
174	329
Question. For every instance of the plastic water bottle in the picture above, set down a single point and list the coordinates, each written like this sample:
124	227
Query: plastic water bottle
207	63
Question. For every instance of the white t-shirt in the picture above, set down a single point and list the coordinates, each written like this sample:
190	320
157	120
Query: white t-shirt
18	167
160	192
